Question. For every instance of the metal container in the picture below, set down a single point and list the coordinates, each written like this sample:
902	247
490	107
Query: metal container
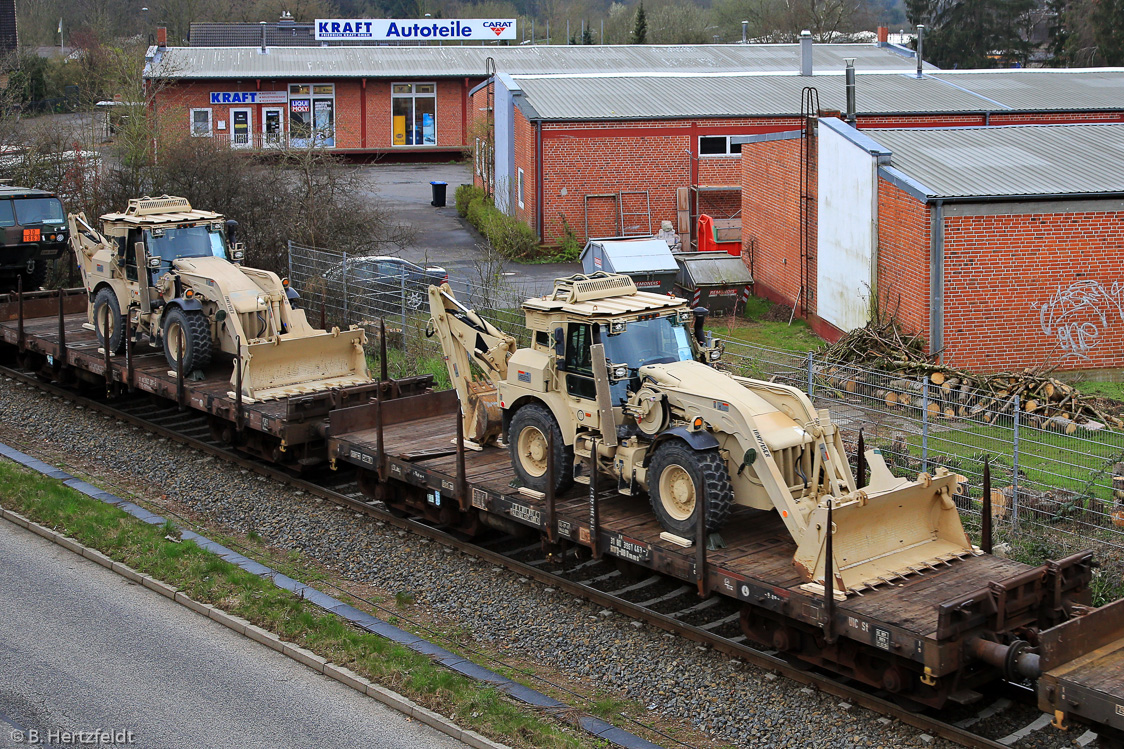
717	281
648	261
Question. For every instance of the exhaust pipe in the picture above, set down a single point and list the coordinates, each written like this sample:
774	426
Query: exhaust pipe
700	321
851	118
805	52
920	49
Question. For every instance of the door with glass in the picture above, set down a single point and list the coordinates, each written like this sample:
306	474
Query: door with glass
241	128
272	126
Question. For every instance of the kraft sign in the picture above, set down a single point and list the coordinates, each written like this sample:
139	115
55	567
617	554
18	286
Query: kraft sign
385	30
248	97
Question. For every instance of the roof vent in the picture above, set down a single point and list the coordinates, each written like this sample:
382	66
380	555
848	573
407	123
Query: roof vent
585	288
805	52
147	206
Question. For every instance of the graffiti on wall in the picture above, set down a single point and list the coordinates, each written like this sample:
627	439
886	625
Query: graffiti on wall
1077	315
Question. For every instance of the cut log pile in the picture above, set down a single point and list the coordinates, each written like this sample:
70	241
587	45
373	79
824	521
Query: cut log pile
1044	401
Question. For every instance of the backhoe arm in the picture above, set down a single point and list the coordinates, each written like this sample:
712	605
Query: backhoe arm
467	337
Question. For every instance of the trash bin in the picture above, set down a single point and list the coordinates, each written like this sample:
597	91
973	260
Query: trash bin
715	280
649	261
438	194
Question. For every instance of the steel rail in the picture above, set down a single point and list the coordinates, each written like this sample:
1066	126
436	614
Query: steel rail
824	683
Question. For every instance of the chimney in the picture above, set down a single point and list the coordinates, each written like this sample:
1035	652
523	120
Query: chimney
745	30
883	34
161	36
262	36
920	49
805	52
851	118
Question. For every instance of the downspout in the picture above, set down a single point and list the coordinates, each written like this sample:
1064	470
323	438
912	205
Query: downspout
936	278
255	140
540	209
464	112
362	114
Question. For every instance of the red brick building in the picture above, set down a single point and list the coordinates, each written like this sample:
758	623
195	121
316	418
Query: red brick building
402	102
1003	246
614	153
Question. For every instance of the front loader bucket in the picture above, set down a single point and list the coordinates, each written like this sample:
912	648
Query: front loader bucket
900	528
285	366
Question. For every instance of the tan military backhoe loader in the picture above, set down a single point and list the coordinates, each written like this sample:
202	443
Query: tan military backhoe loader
625	388
173	271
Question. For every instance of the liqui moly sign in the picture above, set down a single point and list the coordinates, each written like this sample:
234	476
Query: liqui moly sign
424	29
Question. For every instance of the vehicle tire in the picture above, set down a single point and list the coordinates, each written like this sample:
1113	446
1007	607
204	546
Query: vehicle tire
190	326
677	476
106	299
527	443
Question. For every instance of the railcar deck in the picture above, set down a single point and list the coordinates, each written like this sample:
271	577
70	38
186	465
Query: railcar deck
52	334
419	438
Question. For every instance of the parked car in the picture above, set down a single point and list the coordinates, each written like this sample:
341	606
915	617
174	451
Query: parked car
388	277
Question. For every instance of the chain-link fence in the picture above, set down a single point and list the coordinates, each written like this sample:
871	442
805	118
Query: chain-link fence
1051	479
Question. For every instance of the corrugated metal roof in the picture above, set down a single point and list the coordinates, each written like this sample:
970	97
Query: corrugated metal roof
384	62
1014	161
666	95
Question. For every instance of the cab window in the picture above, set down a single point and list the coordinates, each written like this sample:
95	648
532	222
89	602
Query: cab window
7	218
579	362
39	211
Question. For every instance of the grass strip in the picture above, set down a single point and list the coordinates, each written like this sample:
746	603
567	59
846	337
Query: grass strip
210	579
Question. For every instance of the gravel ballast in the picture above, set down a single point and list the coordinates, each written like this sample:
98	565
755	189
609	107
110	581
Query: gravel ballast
676	678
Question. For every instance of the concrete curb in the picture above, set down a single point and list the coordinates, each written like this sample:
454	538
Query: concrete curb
535	699
343	675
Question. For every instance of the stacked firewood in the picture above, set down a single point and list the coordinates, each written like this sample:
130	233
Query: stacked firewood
1044	401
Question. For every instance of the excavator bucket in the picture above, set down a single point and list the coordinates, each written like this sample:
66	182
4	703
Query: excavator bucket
285	365
895	529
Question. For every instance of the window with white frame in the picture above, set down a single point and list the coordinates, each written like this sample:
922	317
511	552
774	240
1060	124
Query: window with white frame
413	114
201	122
718	145
522	194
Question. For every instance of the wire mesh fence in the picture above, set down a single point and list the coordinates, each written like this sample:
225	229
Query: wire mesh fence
1050	478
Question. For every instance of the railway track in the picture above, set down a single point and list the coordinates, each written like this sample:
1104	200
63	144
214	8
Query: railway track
1000	721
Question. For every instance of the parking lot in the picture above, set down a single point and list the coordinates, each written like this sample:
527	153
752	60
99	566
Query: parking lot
443	237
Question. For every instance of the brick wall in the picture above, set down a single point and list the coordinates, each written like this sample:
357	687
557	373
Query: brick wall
1037	288
606	158
525	160
353	105
903	258
771	218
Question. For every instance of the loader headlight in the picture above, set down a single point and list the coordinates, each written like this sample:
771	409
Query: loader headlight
237	255
714	354
261	301
617	326
619	372
685	316
697	424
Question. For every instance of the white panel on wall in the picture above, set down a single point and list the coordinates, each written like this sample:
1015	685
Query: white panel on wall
847	202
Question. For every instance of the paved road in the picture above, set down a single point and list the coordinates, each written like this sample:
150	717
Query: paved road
443	238
82	648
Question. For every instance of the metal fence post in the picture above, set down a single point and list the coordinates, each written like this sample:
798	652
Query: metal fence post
1015	470
402	292
925	424
346	319
811	388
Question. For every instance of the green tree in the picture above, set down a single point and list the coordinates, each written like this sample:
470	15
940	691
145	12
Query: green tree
1107	22
640	27
587	35
974	33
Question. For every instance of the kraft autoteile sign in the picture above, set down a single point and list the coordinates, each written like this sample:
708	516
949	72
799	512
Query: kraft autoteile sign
393	30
